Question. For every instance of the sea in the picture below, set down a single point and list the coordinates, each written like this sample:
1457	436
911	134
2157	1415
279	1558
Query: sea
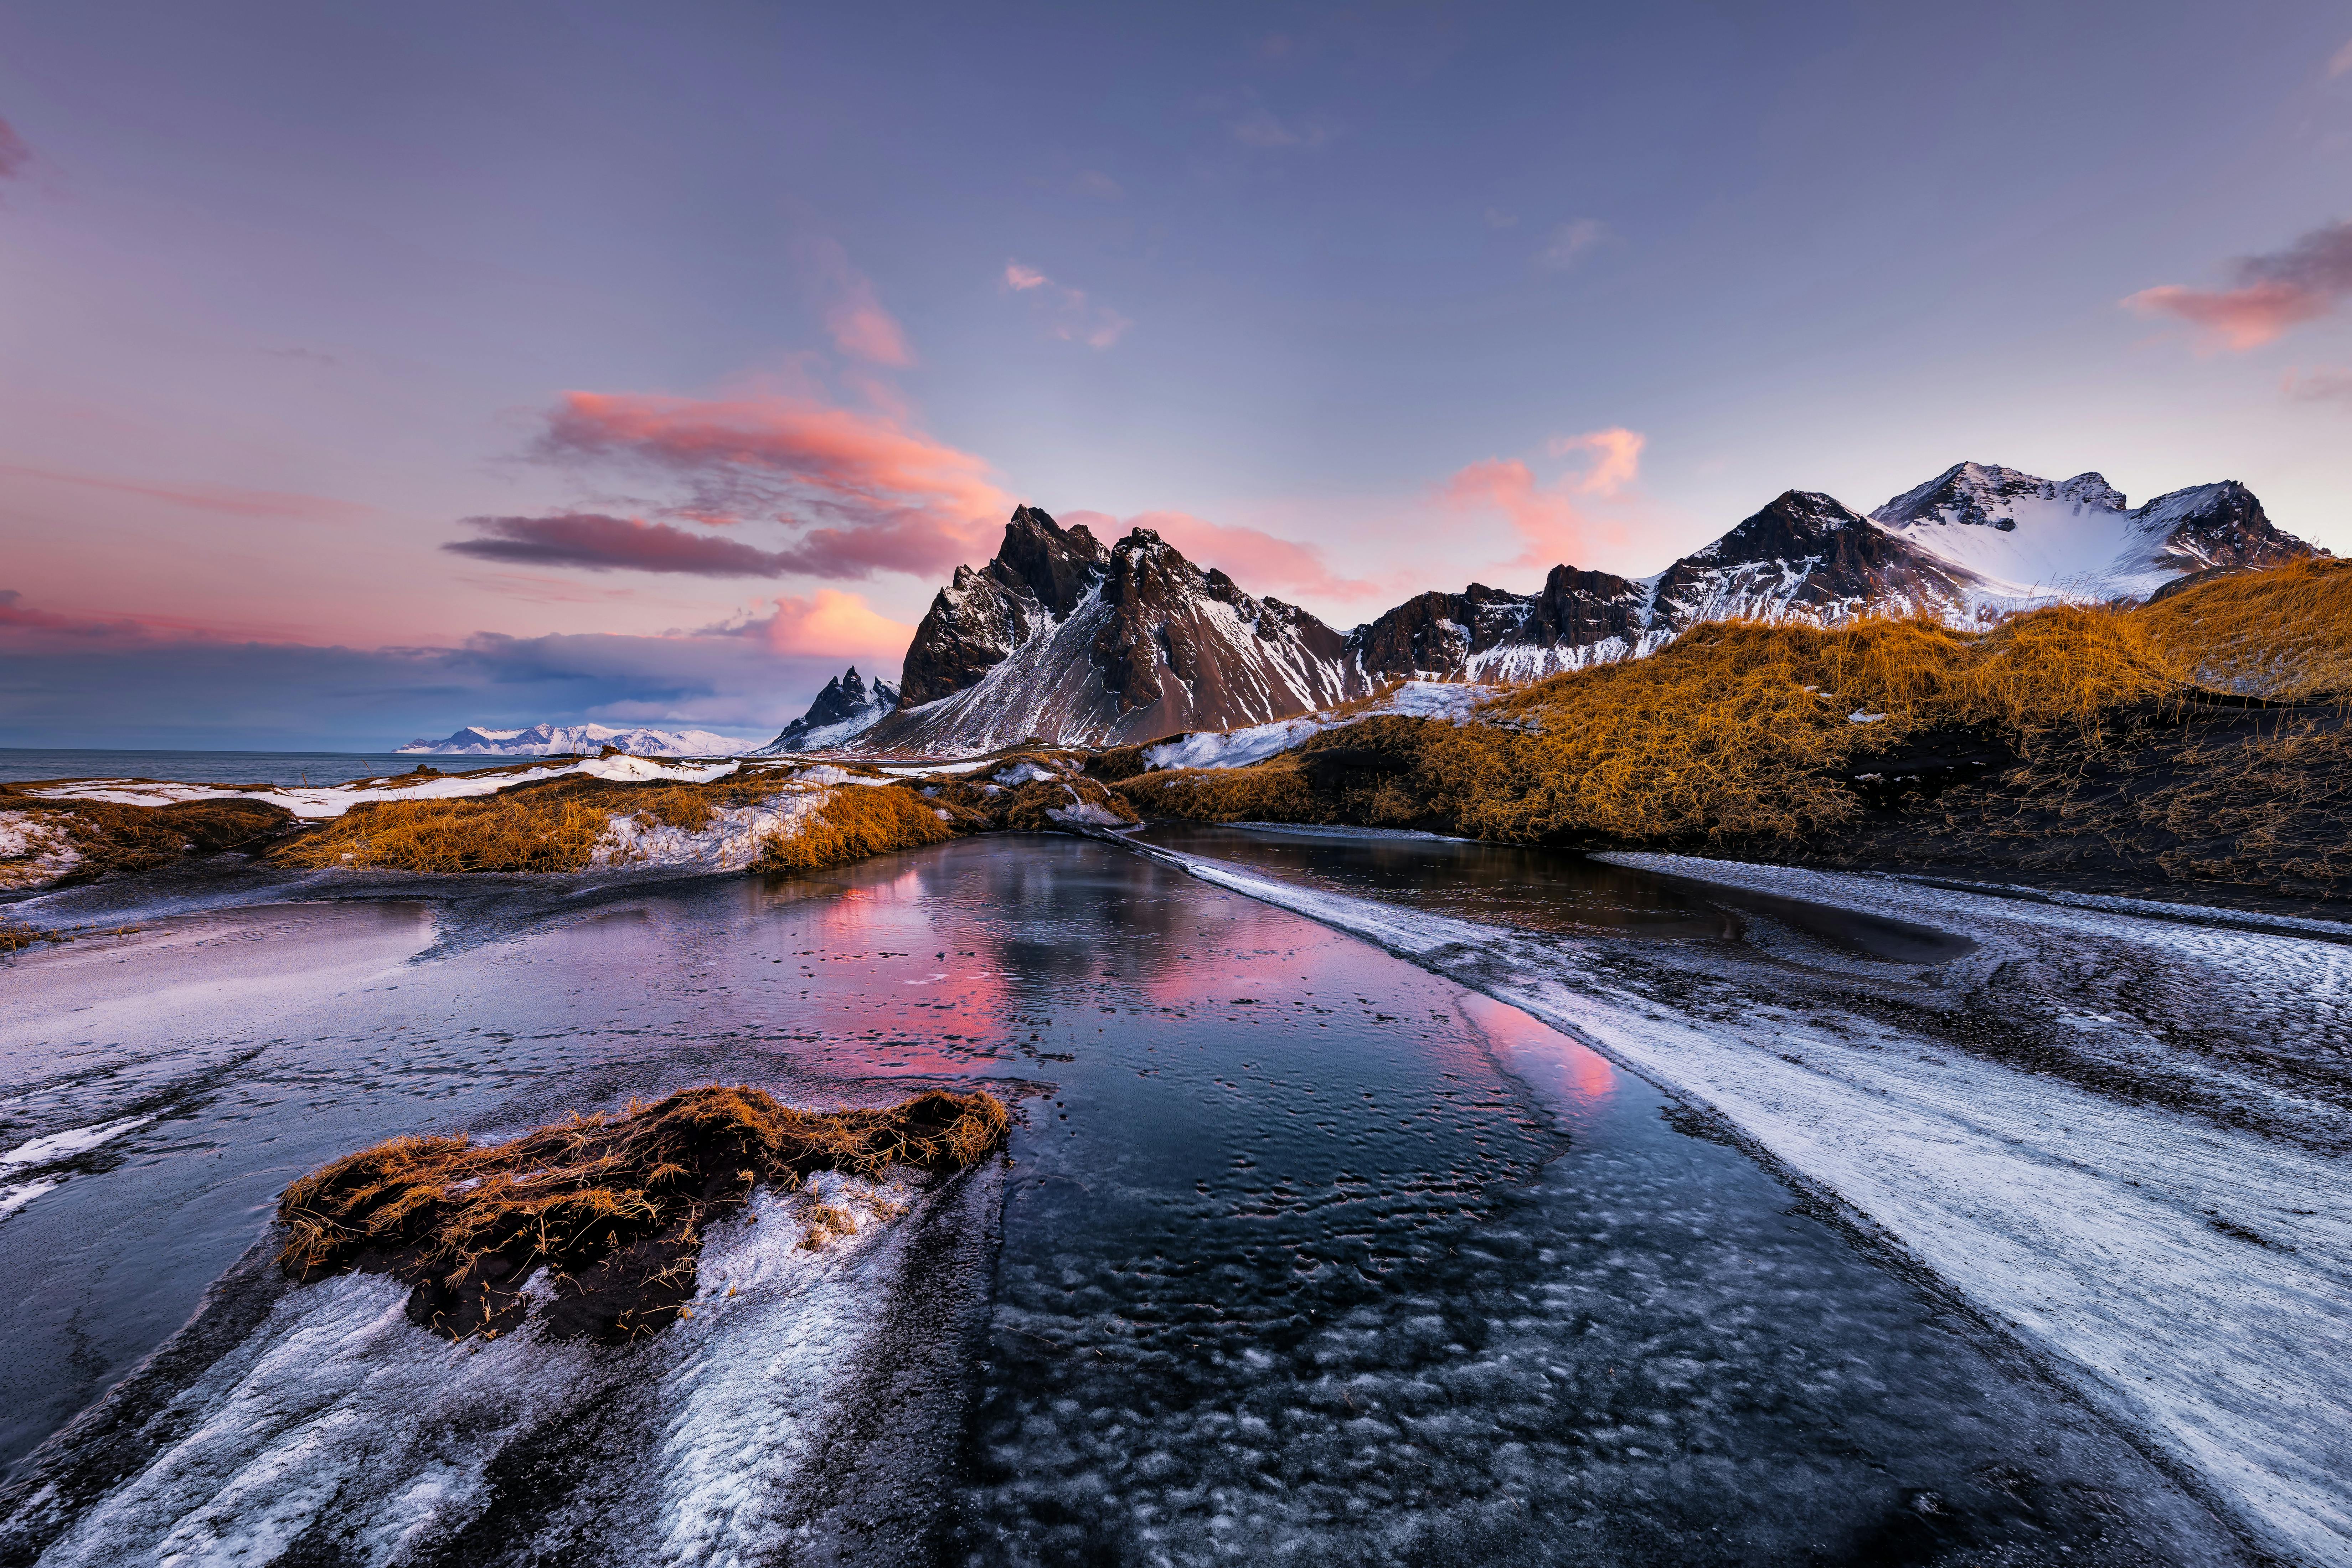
19	764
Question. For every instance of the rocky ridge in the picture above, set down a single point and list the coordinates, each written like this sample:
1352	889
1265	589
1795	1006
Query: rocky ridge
844	710
1063	640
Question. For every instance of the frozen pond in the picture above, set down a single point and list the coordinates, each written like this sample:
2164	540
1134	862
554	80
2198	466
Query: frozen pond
1304	1252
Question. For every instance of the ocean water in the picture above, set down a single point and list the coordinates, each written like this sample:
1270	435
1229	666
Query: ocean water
20	763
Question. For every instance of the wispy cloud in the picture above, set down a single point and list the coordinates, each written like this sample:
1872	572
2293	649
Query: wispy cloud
2340	62
1556	522
1570	242
1498	219
1069	314
863	493
2284	289
13	153
852	313
2325	385
196	496
605	543
1096	183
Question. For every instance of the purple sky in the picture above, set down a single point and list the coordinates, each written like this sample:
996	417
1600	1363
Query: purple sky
369	371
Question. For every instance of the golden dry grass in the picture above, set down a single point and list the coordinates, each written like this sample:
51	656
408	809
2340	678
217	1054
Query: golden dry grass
1738	731
613	1206
858	820
520	830
2286	632
125	838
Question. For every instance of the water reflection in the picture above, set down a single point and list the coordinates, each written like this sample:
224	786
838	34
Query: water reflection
1543	889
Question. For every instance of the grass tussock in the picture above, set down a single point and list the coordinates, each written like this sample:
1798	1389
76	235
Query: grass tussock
551	825
106	837
857	821
516	830
2283	632
612	1207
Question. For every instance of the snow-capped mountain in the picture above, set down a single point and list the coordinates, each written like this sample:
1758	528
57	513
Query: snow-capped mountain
844	710
1063	640
565	740
1971	544
2016	541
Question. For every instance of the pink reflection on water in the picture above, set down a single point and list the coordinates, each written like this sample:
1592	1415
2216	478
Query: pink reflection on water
1575	1075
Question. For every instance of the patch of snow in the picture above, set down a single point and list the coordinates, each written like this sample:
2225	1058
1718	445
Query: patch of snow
16	1197
730	841
1023	773
1232	748
33	850
322	801
1086	812
65	1145
1859	717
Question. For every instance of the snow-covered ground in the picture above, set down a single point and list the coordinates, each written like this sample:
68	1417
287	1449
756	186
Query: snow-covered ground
334	1419
1239	748
2166	1216
333	800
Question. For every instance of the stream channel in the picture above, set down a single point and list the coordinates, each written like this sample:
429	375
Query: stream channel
1303	1253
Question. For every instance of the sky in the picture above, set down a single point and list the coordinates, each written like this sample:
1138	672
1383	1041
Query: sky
369	371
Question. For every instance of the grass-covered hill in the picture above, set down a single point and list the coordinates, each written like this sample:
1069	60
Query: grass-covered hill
2195	744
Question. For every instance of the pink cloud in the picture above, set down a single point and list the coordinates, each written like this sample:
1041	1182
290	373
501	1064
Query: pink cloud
196	497
832	623
22	626
852	312
1618	462
2340	62
1067	313
1258	561
13	153
867	494
603	544
1554	521
2284	288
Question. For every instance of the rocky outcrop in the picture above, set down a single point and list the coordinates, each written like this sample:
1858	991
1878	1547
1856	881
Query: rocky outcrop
845	710
1062	640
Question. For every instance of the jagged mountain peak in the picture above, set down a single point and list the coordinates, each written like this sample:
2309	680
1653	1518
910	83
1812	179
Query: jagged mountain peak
1062	638
845	710
1986	495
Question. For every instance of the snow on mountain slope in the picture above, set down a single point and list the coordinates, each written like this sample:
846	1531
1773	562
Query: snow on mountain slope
844	710
1063	640
559	740
2019	541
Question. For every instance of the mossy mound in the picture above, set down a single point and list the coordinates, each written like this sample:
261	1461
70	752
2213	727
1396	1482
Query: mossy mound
613	1208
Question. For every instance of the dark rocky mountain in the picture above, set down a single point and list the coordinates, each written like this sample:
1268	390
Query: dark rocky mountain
1060	639
845	710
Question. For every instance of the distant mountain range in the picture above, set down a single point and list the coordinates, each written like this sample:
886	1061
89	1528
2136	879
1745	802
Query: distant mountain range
1065	639
566	740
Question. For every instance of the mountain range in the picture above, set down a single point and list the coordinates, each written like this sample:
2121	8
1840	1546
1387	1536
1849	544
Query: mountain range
573	740
1065	639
